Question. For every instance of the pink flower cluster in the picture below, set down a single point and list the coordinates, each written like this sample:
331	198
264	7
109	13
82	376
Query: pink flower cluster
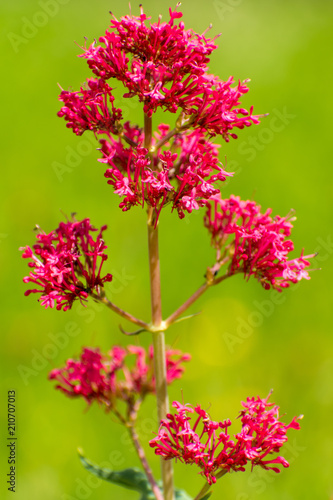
183	174
166	66
253	243
88	109
63	258
201	441
105	378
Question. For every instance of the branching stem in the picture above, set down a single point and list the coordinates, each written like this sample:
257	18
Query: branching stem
174	316
121	312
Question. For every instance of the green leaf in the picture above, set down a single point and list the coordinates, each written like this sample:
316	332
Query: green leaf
131	478
182	495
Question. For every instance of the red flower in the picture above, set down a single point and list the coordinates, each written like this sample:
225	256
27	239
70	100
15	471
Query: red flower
105	378
166	66
183	173
192	437
253	243
88	109
62	259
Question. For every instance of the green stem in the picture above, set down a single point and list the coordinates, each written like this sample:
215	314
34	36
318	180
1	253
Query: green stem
104	300
140	450
165	139
130	425
210	282
207	486
162	400
159	345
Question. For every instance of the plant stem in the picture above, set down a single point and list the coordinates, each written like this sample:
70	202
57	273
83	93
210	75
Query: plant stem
207	486
140	450
165	139
162	400
121	312
143	460
172	318
130	425
159	345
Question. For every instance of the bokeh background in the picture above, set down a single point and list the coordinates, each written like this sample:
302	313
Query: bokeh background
243	343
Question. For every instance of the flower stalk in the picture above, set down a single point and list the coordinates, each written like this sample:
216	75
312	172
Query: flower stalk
140	451
159	346
162	400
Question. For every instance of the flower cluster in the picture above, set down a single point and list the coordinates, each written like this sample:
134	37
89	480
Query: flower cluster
182	173
253	243
63	258
166	66
106	378
88	109
207	444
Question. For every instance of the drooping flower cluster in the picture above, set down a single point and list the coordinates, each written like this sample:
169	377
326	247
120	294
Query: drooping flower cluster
165	66
253	243
192	437
106	378
182	173
66	264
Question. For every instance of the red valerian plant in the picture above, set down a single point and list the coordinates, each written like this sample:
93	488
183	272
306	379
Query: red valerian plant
208	445
165	67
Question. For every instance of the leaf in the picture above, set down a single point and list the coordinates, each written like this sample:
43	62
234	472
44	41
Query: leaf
181	495
131	478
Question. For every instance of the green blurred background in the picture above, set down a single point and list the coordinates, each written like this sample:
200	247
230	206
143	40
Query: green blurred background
243	343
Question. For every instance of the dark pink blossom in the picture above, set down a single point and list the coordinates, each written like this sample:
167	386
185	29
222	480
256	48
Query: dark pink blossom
66	264
192	437
88	109
166	66
106	378
253	243
183	173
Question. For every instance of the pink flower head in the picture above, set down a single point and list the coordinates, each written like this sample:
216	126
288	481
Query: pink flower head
192	437
106	378
88	109
166	66
183	173
66	264
253	243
